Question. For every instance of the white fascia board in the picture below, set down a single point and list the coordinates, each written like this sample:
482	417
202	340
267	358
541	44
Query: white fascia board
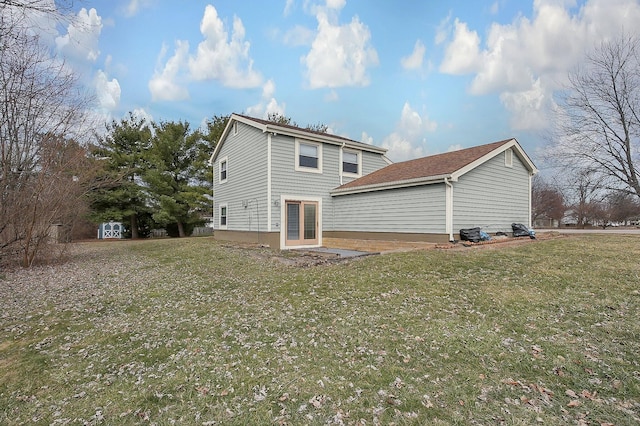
325	138
512	143
227	130
390	185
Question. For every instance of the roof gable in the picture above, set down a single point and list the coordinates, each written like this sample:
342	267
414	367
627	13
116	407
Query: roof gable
450	165
293	131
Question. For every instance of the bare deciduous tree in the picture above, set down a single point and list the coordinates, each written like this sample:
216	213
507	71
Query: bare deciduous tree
547	201
585	188
599	115
41	111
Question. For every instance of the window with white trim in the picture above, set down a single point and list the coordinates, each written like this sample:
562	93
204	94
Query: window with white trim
308	156
222	167
508	158
351	162
224	210
235	128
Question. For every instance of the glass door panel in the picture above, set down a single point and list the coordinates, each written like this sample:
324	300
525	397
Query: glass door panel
309	221
293	221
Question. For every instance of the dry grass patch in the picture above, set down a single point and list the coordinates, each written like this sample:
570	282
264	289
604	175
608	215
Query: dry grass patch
199	332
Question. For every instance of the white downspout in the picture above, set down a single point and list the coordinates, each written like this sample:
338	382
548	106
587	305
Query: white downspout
530	181
269	201
341	160
449	209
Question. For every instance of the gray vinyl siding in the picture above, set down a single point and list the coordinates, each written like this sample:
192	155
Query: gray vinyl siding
286	180
246	180
370	163
492	196
419	209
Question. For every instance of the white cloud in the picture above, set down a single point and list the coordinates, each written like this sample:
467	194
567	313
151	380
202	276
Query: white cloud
142	114
163	85
332	96
408	139
134	7
442	31
268	89
81	40
288	7
336	4
527	60
528	107
268	104
462	54
223	58
414	61
365	138
298	36
107	91
340	55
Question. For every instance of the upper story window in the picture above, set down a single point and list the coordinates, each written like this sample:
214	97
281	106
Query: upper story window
222	166
235	128
308	156
351	162
508	157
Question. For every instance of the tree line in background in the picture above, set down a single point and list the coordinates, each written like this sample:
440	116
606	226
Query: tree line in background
581	202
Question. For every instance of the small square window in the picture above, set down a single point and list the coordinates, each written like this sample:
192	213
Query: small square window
222	164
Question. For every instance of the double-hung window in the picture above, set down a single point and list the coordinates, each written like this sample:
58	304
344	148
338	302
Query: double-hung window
222	166
308	156
351	162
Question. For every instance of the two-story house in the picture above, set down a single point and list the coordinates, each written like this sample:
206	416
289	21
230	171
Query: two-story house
288	187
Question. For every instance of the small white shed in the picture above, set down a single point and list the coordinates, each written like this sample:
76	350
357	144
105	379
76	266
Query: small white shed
110	230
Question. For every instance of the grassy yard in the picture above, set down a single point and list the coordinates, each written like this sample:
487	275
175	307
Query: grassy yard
196	331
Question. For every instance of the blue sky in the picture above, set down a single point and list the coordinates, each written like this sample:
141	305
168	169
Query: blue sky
417	77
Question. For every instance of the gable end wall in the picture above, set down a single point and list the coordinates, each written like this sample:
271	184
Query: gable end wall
246	183
492	196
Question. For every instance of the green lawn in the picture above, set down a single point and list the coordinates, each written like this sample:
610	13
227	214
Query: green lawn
196	331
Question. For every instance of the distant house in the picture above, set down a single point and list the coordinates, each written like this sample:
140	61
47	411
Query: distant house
288	187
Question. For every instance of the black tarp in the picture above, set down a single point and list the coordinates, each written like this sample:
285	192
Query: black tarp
519	230
470	234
